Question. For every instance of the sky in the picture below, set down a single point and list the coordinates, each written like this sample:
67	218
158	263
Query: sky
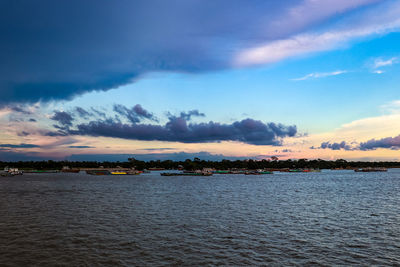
155	79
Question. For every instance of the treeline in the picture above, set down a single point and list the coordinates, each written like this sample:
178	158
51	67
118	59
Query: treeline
197	163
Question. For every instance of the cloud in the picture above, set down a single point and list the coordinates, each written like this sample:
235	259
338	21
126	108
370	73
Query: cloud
372	144
157	149
80	147
393	107
333	146
141	112
62	117
378	71
98	112
135	114
379	62
314	11
188	115
320	75
177	129
23	133
82	112
381	20
95	45
376	127
20	109
388	142
19	145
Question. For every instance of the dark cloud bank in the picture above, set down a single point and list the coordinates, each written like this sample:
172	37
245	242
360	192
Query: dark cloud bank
64	118
334	146
18	146
388	142
52	50
80	146
177	129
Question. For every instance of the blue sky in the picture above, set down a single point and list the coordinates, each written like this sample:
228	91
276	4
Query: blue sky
263	77
271	92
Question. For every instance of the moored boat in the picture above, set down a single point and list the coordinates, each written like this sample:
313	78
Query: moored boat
118	173
68	169
11	172
222	172
185	174
258	172
124	172
371	169
71	170
98	172
41	171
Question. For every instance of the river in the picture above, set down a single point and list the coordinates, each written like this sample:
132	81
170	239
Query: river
327	218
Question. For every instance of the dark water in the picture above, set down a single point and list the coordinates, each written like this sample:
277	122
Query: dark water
328	218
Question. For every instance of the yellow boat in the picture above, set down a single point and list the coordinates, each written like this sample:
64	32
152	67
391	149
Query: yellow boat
119	173
124	173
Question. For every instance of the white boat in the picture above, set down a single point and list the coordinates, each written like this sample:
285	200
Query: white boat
11	172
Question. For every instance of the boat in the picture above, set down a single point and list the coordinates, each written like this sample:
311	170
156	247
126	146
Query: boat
41	171
71	170
98	172
370	169
232	171
113	172
118	173
185	174
222	172
304	170
258	172
124	172
68	169
11	172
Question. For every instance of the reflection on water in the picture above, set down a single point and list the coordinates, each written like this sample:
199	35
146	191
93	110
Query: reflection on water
327	218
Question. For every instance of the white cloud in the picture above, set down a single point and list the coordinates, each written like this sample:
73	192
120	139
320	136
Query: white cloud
378	71
361	130
309	12
379	63
353	133
392	107
320	75
383	63
381	21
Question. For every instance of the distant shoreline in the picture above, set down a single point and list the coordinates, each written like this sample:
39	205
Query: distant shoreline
198	164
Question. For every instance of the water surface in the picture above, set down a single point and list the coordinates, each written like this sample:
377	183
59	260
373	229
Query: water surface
327	218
